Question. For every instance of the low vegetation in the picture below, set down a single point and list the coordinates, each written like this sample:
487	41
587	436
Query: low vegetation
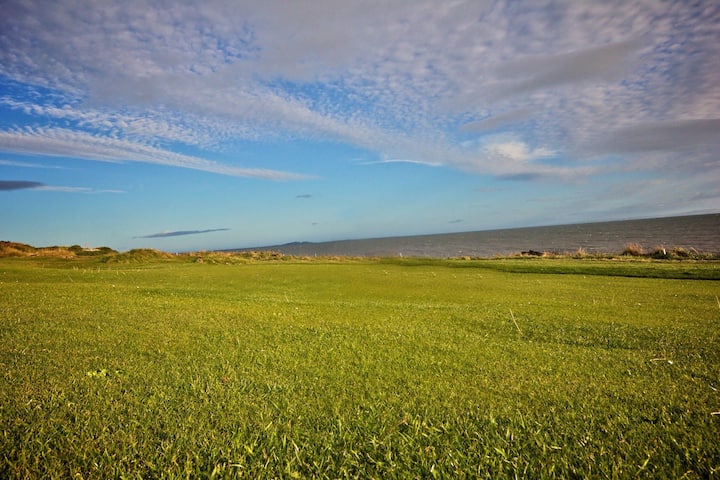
205	366
15	249
139	255
660	252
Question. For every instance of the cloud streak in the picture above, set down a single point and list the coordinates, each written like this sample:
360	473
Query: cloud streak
13	163
403	160
7	185
180	233
86	190
61	142
497	121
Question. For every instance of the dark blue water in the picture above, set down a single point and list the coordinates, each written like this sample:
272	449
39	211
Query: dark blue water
698	232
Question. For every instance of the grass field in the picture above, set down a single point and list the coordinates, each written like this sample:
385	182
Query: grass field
530	368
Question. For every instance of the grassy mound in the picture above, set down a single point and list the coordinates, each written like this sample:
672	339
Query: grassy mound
231	258
140	255
15	249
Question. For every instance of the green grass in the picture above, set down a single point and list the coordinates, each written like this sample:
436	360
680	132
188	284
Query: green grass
369	369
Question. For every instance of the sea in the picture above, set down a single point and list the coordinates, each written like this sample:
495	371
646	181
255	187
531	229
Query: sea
696	232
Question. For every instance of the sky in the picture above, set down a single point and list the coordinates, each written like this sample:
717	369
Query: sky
184	125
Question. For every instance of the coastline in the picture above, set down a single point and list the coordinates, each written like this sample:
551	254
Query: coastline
698	233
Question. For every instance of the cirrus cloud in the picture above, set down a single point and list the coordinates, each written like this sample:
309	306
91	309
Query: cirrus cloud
180	233
61	142
7	185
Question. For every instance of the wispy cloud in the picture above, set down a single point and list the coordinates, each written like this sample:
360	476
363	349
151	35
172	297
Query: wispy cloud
57	188
149	125
179	233
6	185
407	81
403	160
13	163
498	120
61	142
304	196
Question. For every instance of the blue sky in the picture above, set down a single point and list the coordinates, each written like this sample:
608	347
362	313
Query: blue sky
220	124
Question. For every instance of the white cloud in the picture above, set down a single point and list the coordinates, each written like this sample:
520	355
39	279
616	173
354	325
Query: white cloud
148	126
13	163
403	160
517	152
75	144
398	78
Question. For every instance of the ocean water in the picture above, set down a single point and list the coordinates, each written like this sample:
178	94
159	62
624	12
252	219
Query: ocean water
699	232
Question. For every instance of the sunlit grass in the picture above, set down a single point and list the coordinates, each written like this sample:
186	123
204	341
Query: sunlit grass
375	369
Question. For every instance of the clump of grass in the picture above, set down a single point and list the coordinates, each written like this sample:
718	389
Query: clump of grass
677	253
139	255
80	251
680	252
242	257
660	252
633	250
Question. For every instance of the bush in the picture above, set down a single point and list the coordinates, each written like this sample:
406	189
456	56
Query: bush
633	250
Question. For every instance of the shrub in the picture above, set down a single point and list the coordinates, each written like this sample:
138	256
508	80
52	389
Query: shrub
660	252
138	255
633	250
14	249
680	252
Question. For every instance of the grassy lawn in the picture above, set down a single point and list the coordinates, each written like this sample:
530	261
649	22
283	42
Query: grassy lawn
533	368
